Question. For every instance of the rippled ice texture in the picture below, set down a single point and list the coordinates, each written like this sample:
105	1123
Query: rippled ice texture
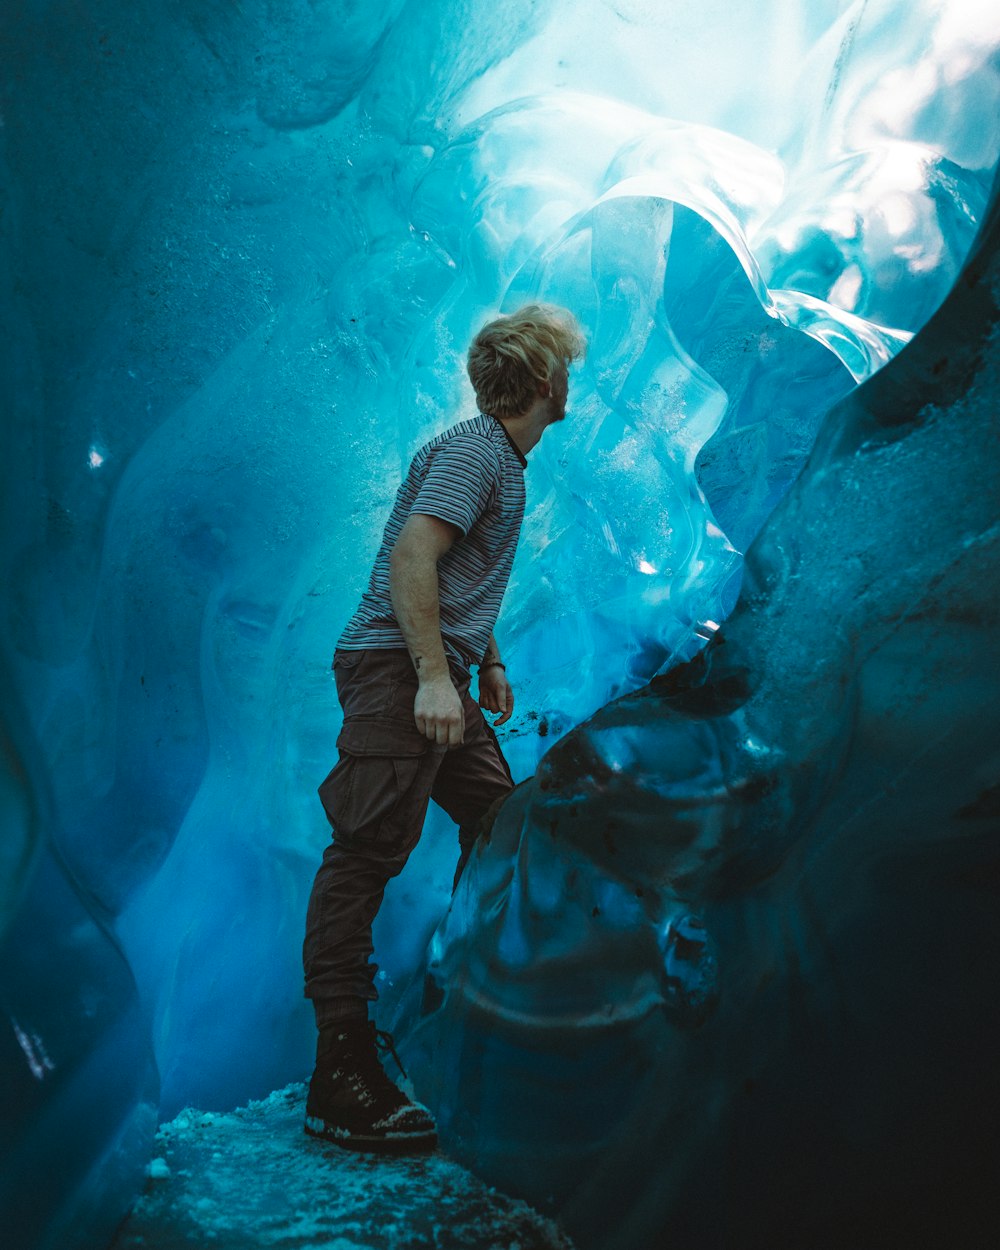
244	250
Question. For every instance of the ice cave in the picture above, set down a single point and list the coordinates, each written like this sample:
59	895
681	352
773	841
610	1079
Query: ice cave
722	971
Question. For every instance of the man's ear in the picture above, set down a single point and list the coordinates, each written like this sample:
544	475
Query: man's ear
545	389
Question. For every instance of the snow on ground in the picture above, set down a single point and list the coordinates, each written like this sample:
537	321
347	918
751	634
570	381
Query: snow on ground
250	1178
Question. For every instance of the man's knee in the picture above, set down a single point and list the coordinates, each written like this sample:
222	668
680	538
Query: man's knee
482	825
380	857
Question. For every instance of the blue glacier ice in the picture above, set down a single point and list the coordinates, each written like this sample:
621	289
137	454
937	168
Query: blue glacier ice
742	921
747	877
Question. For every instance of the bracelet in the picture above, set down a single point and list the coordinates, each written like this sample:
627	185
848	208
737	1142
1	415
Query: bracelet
493	664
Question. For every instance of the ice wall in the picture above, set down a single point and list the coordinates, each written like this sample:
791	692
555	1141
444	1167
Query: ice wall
723	971
244	249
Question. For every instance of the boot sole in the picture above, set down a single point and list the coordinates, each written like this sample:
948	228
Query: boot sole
394	1144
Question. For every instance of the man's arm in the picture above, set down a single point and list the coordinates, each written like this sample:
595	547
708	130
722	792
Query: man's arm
495	693
413	588
492	653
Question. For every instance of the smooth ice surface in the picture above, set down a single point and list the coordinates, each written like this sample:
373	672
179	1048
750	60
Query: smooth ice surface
244	248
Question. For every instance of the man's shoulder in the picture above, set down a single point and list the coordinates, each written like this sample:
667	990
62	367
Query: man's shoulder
473	435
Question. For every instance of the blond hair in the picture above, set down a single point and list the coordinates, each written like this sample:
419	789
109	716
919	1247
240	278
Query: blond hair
510	356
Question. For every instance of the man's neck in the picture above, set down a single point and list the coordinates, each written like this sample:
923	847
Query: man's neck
527	428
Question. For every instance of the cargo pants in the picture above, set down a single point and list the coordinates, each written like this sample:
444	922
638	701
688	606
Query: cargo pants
376	800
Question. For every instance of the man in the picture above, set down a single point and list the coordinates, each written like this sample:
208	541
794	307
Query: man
412	732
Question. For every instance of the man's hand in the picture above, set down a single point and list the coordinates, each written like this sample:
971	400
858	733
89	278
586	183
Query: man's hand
495	694
438	711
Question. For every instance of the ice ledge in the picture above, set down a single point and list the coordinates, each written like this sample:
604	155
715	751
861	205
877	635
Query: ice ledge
249	1178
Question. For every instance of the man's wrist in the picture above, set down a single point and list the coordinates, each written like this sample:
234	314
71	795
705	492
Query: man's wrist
437	675
431	667
493	664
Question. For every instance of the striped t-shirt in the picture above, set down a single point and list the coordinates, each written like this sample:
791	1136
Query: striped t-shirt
473	476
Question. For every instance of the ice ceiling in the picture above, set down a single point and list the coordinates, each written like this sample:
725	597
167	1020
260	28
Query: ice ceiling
244	249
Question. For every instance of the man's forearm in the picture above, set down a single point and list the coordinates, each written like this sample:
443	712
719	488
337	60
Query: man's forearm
492	653
413	588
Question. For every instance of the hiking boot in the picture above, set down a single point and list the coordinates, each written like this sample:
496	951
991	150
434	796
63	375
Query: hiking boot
353	1103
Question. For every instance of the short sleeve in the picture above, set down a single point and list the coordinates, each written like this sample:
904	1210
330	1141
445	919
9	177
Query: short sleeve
462	477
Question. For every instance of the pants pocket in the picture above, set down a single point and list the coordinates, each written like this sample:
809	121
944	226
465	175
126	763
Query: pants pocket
368	682
376	799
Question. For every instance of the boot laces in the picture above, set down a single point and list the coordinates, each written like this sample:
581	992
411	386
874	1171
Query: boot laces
385	1044
361	1061
366	1075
